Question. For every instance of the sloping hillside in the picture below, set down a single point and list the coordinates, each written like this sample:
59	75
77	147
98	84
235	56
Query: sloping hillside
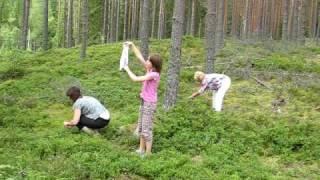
249	139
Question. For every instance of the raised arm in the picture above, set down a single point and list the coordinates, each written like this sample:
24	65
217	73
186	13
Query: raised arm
137	53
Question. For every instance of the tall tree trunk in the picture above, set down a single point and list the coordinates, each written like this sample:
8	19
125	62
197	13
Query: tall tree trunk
134	19
1	13
70	24
125	20
129	20
85	28
318	27
25	24
104	32
285	19
145	29
210	34
175	55
187	19
295	27
118	21
220	26
193	18
114	21
245	20
154	8
161	20
235	32
65	23
77	18
140	18
45	25
314	19
301	22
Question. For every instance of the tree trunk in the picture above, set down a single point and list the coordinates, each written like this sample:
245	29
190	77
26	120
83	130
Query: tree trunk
318	27
114	21
77	18
65	23
85	28
245	20
314	19
210	34
295	27
145	29
220	26
301	22
235	32
285	19
140	18
1	13
45	25
125	20
175	55
118	21
154	8
193	18
161	20
134	19
70	25
104	32
25	24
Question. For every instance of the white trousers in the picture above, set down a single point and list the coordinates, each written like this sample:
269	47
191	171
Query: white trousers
217	97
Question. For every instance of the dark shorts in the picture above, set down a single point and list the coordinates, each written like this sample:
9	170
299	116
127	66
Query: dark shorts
91	123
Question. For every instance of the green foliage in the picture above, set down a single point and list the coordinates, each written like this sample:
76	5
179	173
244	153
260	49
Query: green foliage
248	140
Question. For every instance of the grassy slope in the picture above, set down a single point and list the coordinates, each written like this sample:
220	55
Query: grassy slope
247	140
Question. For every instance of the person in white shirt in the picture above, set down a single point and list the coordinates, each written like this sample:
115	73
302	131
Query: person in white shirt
217	83
89	113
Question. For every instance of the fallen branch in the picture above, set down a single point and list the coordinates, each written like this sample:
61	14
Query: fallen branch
261	82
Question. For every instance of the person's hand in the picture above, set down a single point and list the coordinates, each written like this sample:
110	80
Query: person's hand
67	124
191	97
129	43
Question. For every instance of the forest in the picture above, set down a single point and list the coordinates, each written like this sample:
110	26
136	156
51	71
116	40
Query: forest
269	124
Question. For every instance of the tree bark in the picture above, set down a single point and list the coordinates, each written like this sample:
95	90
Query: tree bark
314	19
70	25
134	19
140	18
154	8
85	28
118	21
301	22
210	34
45	25
193	18
285	19
175	55
245	20
161	20
125	20
65	23
145	29
25	24
220	26
104	33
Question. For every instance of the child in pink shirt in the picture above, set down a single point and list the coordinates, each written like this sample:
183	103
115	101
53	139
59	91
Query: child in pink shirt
150	82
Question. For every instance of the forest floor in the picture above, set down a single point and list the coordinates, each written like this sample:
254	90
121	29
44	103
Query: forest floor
252	138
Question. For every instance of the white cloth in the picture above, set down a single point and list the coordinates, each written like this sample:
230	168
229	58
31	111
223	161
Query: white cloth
124	59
